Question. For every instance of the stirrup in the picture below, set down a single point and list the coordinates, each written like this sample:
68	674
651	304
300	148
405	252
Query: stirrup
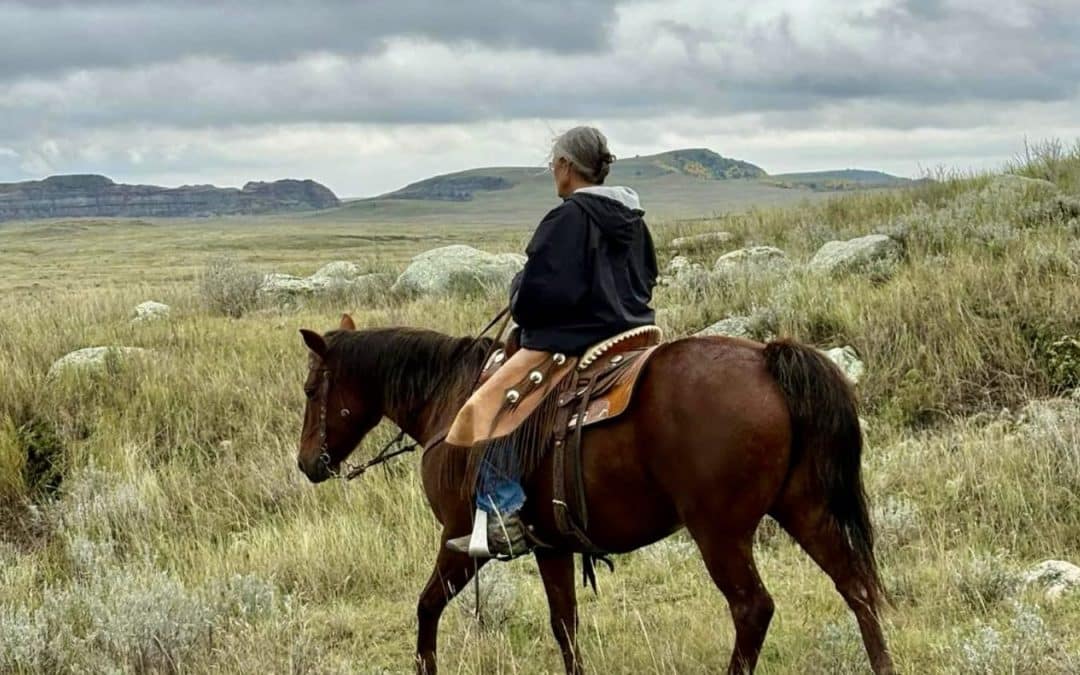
476	544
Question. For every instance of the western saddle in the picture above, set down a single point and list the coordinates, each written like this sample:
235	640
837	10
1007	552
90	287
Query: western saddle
599	388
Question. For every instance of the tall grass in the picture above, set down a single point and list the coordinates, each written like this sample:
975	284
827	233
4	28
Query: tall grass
152	519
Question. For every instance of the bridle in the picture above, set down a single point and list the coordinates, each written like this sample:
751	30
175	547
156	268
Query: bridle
398	445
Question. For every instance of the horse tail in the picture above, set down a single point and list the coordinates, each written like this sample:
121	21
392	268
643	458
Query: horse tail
827	439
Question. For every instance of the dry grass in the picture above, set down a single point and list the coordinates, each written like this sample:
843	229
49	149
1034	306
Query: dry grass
155	520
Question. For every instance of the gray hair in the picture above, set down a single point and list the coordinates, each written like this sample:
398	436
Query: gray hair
586	149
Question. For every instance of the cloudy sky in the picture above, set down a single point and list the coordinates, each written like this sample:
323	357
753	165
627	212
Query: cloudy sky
367	96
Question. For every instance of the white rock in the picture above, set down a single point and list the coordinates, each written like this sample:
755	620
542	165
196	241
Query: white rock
340	275
732	326
755	258
872	252
151	311
849	362
339	269
93	359
458	268
1058	576
697	241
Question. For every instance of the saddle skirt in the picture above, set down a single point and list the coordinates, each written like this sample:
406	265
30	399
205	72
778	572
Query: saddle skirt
515	383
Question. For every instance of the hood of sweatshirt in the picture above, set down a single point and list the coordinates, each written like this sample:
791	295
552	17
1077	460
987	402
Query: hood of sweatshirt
615	210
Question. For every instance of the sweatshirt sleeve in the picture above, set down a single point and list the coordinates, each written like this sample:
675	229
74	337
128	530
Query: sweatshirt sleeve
555	277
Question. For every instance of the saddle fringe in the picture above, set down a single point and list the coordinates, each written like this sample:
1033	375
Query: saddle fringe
518	454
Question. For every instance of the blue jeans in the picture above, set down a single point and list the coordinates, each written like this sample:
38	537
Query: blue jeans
498	493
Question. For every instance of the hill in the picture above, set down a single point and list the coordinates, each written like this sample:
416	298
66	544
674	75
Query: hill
79	196
845	179
678	184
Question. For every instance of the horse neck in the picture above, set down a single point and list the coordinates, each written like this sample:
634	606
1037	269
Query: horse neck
450	373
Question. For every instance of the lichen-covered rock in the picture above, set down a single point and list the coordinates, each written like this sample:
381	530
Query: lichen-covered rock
699	241
848	361
458	269
92	359
876	253
1057	576
753	259
732	326
338	276
150	311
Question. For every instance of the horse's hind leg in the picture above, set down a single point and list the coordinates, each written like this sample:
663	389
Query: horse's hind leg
730	561
557	571
452	573
820	536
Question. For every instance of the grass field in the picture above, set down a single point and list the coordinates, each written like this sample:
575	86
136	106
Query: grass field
152	518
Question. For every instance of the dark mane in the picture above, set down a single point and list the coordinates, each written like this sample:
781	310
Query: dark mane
410	363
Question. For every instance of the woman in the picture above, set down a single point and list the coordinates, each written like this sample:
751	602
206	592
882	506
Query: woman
590	274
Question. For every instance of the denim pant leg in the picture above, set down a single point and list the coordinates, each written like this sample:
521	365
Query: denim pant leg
498	493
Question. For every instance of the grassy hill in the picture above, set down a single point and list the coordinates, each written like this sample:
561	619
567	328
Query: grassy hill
679	184
152	518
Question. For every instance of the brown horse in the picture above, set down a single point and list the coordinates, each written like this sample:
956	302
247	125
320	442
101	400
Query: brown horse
721	433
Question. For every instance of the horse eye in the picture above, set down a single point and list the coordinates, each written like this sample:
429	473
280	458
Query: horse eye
309	392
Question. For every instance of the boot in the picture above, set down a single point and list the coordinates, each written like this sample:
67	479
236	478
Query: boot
501	537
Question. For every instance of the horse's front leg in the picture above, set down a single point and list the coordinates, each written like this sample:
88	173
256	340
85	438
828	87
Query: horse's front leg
452	573
557	571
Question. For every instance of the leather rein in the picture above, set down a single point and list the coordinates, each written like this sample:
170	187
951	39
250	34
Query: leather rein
398	445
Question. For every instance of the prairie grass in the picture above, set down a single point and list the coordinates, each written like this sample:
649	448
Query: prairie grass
152	518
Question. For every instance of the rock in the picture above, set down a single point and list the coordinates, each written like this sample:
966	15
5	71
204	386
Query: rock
1058	576
151	311
1020	184
753	259
81	196
872	253
1051	413
458	268
93	359
732	326
338	276
699	241
848	361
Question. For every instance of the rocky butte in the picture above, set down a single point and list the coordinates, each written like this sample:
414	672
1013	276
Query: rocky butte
78	196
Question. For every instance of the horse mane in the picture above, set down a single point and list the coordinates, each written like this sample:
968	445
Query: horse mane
408	363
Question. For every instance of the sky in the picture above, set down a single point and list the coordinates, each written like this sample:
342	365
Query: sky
368	96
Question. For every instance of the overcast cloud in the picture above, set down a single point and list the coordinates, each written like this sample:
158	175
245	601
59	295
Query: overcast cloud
366	96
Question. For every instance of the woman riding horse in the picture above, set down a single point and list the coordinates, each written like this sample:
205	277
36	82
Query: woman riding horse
590	274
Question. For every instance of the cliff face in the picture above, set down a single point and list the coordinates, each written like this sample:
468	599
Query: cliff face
97	196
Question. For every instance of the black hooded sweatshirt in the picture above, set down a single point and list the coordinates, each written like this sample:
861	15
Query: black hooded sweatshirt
590	274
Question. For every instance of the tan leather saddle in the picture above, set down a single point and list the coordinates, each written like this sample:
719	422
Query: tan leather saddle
612	367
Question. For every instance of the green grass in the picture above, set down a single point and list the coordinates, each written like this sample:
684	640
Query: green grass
152	518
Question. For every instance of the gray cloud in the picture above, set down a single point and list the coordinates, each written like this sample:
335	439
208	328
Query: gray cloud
40	38
130	85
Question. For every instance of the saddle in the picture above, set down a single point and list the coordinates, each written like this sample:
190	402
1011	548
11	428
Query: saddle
598	387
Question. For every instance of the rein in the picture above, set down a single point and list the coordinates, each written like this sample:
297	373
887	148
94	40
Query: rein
397	445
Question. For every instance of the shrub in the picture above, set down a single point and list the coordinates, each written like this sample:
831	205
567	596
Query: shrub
230	287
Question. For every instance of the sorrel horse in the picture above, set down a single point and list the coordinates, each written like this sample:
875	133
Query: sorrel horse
721	432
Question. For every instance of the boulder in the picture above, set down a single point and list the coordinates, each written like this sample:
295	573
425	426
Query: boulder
1057	576
872	253
753	259
698	241
338	276
460	269
92	359
732	326
848	361
150	311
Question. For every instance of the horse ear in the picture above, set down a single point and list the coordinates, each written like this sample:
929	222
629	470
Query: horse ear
347	322
314	341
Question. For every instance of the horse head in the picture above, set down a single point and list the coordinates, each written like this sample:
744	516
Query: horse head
338	413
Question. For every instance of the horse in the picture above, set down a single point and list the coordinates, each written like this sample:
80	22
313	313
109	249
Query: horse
721	432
